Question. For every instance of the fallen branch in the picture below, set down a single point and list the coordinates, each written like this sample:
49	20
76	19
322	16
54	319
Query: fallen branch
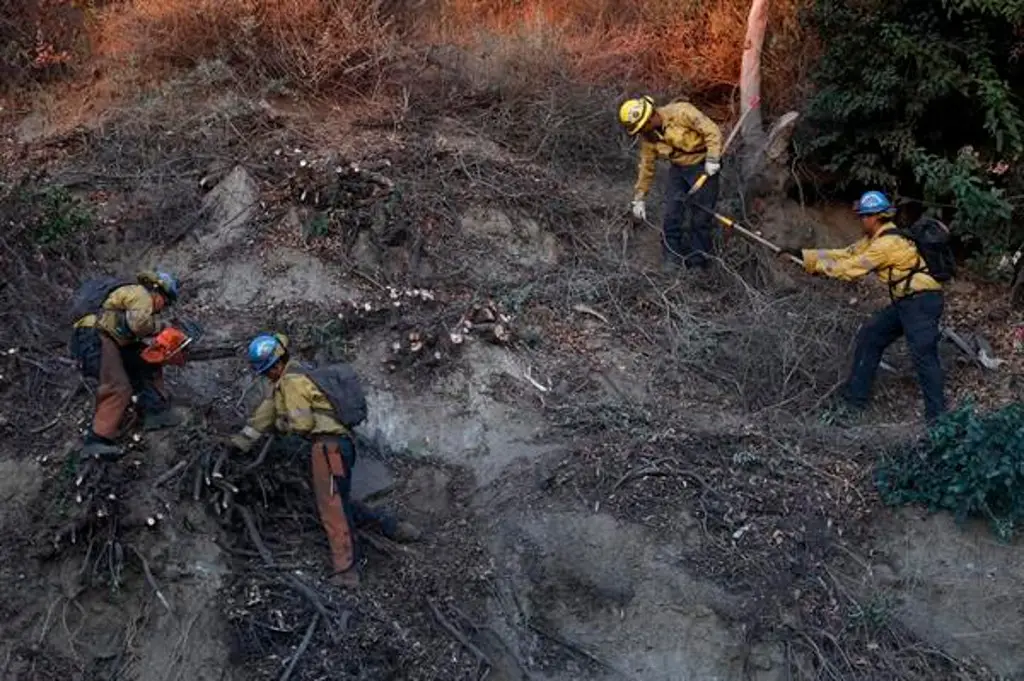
197	482
261	457
657	472
534	382
578	649
254	535
457	634
152	580
385	545
302	648
586	309
314	599
167	475
221	460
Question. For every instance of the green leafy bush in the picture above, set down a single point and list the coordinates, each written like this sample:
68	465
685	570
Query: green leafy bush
919	95
61	215
972	464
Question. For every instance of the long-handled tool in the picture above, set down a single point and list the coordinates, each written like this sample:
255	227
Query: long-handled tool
980	354
703	178
734	225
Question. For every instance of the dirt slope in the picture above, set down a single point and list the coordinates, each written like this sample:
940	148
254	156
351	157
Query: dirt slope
631	484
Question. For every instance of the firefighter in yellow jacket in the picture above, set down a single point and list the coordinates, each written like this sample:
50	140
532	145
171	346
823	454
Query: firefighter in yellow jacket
915	312
298	406
692	143
113	321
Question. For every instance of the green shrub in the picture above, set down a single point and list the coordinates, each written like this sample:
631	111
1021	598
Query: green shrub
919	95
972	464
61	215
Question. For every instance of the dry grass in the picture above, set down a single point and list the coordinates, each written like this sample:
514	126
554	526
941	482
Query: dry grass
694	46
313	46
326	46
38	39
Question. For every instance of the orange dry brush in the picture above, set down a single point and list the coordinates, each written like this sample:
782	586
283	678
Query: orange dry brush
314	44
684	45
689	47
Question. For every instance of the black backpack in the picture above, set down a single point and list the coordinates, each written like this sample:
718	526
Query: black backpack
340	384
931	238
91	295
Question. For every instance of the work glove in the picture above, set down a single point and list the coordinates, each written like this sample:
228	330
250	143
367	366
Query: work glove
238	442
795	252
639	209
712	166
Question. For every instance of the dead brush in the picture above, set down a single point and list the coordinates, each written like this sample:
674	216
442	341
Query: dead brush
695	47
311	46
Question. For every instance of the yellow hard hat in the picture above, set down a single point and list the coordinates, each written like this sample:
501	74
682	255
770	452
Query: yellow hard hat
634	114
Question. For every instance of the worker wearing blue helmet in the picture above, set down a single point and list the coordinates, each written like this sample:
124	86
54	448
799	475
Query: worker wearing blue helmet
322	404
915	291
113	319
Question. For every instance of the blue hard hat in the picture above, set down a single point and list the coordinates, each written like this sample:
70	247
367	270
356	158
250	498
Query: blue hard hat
873	203
264	352
168	284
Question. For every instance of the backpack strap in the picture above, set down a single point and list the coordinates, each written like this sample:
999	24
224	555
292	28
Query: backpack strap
921	267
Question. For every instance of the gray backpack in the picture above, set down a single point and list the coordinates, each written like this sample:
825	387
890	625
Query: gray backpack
340	383
91	295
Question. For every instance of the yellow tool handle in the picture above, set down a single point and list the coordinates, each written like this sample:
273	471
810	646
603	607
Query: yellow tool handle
743	231
701	181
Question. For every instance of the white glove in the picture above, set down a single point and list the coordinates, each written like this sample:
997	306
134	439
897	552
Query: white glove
639	209
711	168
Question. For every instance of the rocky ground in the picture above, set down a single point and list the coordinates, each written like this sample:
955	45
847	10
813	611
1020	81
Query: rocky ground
619	475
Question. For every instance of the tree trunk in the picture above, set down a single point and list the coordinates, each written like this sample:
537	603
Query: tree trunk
750	75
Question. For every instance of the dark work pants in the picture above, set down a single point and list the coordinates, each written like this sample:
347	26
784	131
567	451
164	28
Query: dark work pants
687	228
917	318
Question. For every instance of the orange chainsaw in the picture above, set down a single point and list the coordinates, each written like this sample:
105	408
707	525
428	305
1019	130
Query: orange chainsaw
168	347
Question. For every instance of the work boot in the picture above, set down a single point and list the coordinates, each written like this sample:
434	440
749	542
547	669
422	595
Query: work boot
101	451
347	579
405	533
165	418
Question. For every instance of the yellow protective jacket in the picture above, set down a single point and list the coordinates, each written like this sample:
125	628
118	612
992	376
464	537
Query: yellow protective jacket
295	406
127	317
894	258
686	137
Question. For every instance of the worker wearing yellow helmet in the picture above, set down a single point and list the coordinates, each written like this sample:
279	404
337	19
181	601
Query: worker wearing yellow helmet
692	143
